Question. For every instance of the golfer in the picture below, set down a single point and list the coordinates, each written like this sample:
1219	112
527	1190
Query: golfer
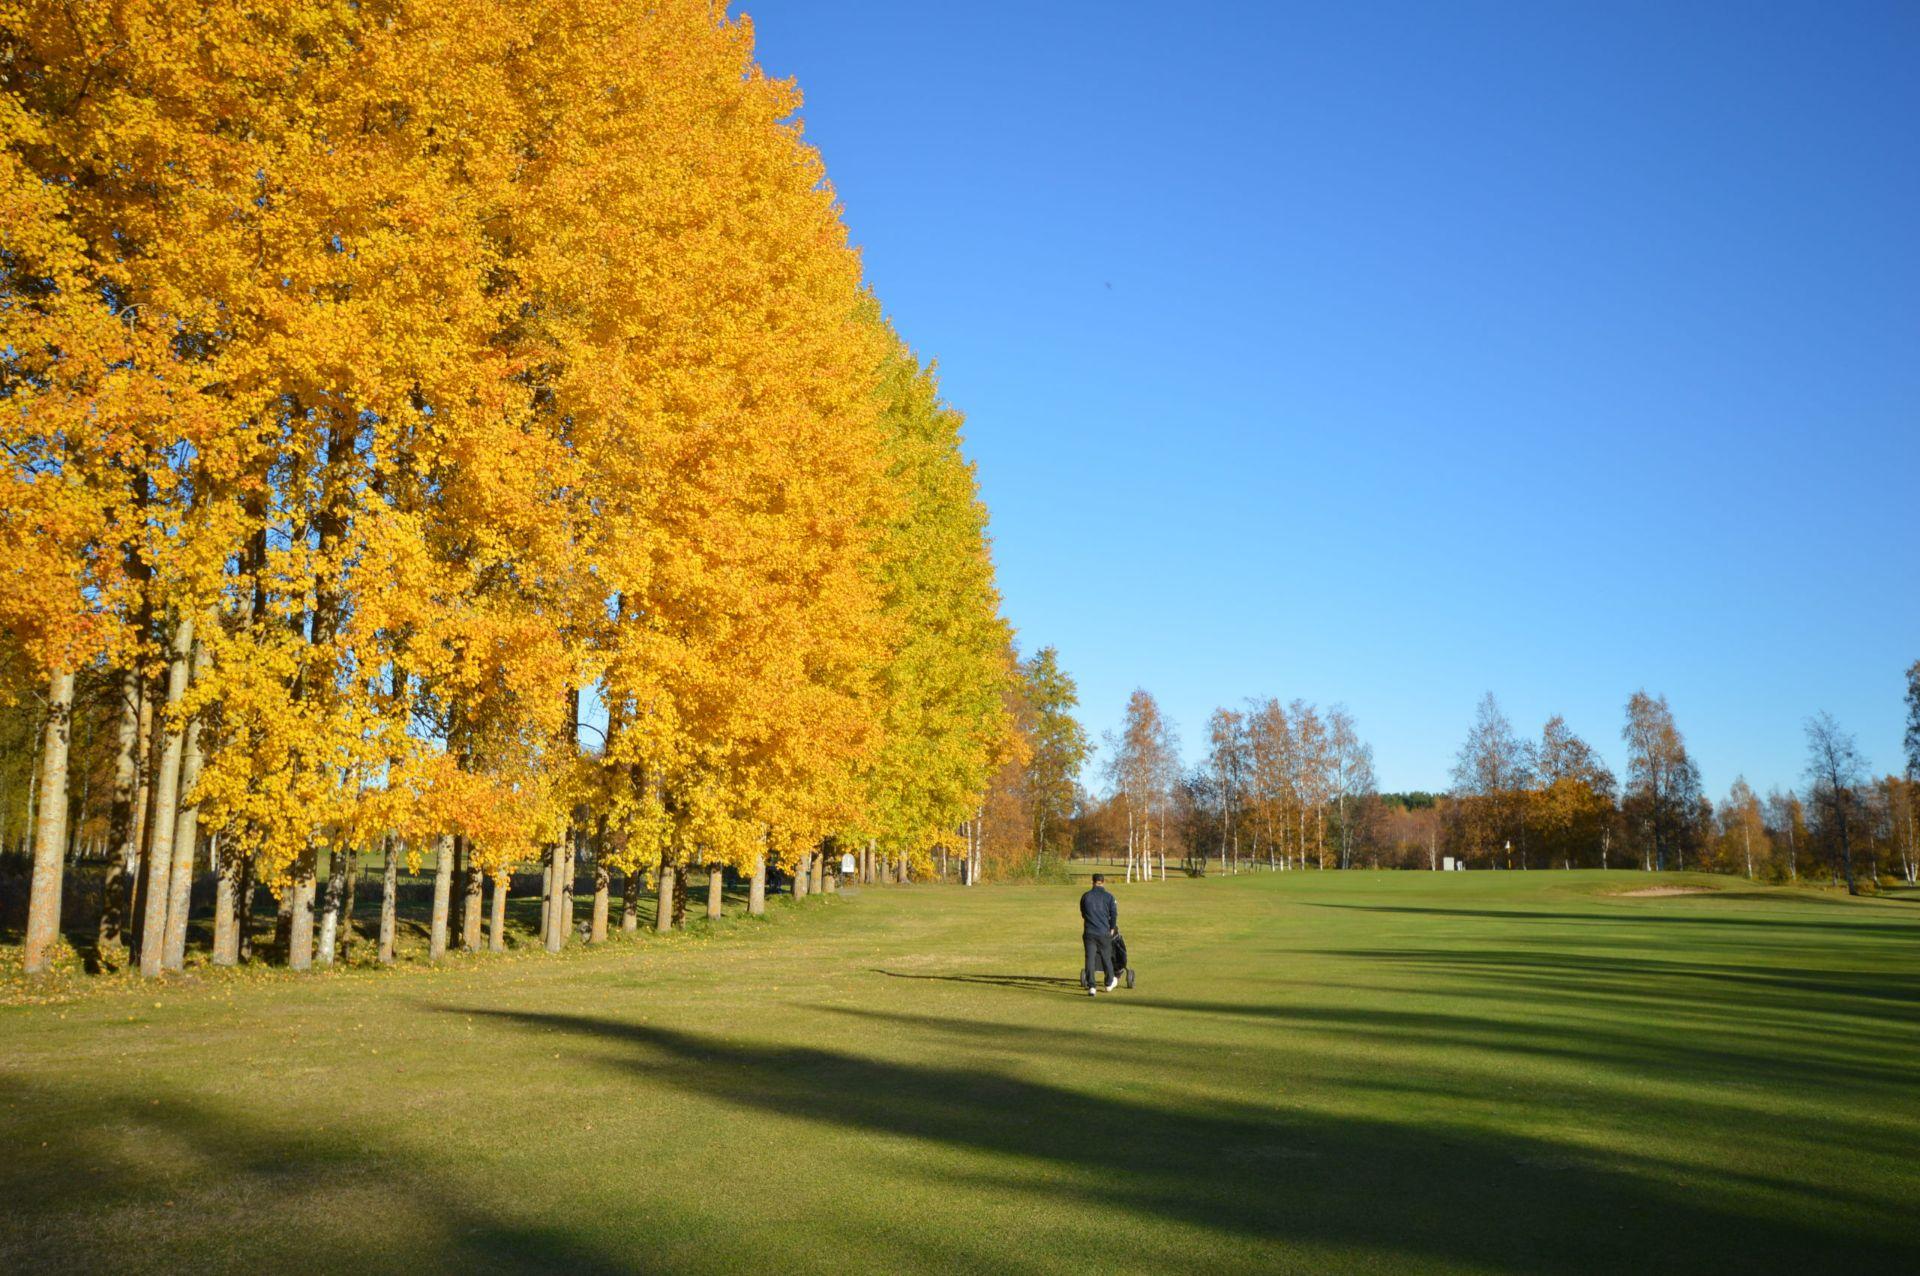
1100	921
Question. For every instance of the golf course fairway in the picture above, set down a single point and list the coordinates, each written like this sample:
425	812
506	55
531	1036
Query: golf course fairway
1318	1072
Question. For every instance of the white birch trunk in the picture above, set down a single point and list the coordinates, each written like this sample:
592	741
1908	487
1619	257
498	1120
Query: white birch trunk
166	795
50	827
186	831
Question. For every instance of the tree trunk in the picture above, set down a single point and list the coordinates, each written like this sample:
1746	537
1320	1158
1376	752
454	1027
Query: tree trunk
186	830
548	863
300	945
243	927
330	906
574	846
470	938
141	832
50	826
166	795
123	826
457	920
831	881
663	905
346	907
715	889
283	921
802	875
389	903
819	883
1846	855
553	929
757	888
1907	856
630	902
442	897
226	910
602	891
497	915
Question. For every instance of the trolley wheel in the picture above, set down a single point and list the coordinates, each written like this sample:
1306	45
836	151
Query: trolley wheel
1129	976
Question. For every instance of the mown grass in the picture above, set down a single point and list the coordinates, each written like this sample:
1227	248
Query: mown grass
1318	1072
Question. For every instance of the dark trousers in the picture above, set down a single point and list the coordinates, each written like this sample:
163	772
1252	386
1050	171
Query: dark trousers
1100	957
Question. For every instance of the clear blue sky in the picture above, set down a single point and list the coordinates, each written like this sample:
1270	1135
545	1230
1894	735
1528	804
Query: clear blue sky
1395	353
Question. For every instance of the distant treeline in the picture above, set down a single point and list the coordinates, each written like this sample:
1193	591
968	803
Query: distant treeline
1291	786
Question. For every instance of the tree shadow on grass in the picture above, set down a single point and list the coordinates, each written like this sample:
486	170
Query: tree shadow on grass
1051	1043
1402	1193
139	1184
1883	994
1650	1017
1629	915
1641	1053
1045	983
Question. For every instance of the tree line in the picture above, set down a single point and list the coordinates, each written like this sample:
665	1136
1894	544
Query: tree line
461	436
1292	786
1282	786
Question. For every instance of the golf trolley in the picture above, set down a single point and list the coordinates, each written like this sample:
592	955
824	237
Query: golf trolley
1119	960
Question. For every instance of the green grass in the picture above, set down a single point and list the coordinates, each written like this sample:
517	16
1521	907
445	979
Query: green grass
1317	1072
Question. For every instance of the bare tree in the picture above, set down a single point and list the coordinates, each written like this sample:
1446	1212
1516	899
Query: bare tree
1663	784
1902	797
1227	765
1142	767
1786	823
1741	823
1312	777
1913	722
1270	751
1352	775
1835	770
1490	776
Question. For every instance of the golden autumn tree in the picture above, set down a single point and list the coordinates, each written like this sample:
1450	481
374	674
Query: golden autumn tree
393	437
122	374
393	380
941	694
697	317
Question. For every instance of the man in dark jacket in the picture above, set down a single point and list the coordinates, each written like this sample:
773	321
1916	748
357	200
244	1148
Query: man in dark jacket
1099	923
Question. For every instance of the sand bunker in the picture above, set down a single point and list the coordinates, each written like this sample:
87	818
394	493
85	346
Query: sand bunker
1646	891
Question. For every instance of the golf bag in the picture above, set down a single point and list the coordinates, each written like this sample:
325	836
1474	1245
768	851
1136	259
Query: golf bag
1121	970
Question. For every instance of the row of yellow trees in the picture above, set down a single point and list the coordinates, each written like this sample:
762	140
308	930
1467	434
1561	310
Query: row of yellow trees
399	393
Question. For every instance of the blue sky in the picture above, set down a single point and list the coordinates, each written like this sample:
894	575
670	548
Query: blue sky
1394	353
